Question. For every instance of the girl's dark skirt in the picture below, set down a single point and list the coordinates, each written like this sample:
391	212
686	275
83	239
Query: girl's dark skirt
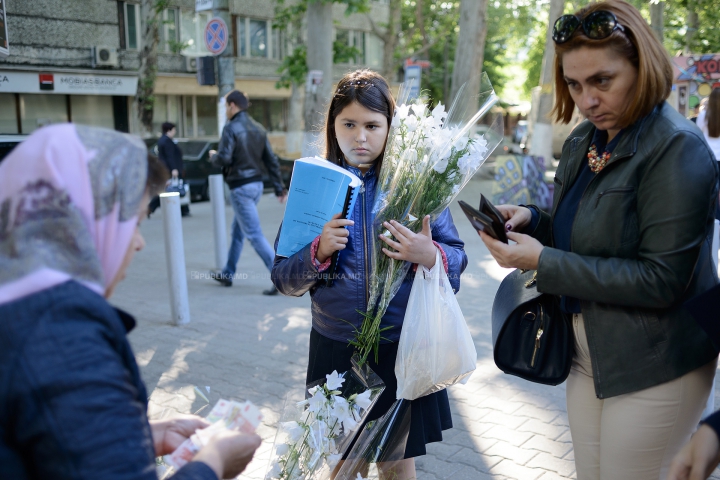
429	416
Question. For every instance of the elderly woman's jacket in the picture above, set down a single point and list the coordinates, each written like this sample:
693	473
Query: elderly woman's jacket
72	404
640	247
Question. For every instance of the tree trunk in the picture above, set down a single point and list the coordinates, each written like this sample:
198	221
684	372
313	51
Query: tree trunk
693	23
147	74
390	40
656	19
295	119
541	142
319	58
420	22
470	46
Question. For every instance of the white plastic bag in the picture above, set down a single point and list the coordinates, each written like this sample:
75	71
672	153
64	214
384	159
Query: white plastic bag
436	349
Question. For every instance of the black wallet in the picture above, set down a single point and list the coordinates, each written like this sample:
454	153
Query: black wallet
487	219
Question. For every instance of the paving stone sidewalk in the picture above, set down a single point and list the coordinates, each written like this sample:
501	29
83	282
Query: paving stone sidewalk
243	345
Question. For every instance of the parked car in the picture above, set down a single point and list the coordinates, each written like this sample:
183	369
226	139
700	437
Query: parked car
196	160
8	142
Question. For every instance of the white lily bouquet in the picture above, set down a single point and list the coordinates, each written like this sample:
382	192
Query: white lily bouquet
430	156
315	433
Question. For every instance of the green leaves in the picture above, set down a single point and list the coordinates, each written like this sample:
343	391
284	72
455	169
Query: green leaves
294	68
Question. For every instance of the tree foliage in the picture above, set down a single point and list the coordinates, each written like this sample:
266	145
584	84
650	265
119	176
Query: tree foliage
289	19
509	24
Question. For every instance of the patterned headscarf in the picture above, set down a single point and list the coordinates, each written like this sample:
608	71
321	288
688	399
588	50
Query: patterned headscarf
69	201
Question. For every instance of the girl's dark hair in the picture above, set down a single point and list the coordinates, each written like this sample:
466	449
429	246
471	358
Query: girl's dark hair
712	115
157	176
367	88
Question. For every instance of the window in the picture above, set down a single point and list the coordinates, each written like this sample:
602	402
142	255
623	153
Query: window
374	52
132	26
254	38
278	44
167	108
200	116
169	30
271	114
192	30
96	110
8	120
39	110
352	39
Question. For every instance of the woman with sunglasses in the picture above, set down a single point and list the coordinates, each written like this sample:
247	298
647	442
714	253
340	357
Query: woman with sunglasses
626	243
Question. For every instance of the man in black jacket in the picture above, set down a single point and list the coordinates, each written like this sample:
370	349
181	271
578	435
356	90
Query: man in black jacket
243	148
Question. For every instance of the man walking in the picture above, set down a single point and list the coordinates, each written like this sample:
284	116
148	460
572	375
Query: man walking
243	146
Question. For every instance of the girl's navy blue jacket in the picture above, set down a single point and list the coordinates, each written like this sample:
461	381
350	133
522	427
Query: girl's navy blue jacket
335	308
72	404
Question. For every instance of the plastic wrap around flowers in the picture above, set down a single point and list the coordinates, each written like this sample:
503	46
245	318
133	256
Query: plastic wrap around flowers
430	157
315	433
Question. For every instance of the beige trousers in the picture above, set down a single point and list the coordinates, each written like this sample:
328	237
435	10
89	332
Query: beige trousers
632	436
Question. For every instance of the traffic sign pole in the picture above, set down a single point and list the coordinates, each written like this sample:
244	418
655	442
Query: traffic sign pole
225	60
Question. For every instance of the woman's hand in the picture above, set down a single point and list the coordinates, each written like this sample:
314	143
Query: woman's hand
524	255
169	434
516	218
697	459
334	237
229	452
409	246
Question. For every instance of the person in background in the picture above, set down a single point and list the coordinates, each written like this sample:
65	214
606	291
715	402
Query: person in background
243	149
171	155
625	245
169	152
709	123
695	113
72	403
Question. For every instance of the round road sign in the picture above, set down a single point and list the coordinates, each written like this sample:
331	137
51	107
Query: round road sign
216	36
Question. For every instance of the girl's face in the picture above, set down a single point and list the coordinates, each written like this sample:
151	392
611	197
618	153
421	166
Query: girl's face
361	135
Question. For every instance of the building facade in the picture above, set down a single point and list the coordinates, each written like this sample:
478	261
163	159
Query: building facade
78	61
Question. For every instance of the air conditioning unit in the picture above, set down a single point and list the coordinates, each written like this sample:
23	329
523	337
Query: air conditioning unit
191	64
104	57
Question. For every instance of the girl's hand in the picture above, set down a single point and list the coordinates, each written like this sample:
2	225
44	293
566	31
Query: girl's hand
524	255
334	237
516	218
409	246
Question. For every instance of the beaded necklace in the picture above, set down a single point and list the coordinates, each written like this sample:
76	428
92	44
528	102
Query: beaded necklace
595	162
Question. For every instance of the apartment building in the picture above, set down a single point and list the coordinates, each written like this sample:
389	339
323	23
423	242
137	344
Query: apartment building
77	60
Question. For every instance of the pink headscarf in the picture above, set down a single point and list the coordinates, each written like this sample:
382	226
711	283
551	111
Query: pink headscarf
69	200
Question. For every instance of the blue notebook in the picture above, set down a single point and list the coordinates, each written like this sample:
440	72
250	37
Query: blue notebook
318	190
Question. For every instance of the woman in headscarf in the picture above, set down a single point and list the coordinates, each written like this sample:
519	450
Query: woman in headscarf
72	404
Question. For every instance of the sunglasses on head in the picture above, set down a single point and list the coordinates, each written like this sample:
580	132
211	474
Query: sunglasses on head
596	26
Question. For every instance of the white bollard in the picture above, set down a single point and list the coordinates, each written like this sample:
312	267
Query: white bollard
217	199
175	255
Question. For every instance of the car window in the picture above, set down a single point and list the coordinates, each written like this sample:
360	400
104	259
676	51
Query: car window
192	150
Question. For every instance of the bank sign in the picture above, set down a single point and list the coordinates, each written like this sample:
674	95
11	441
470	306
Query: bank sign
67	83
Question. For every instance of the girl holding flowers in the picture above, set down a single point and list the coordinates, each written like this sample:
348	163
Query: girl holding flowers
356	131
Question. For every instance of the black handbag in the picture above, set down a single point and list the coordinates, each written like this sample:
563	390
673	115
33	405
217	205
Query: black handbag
532	337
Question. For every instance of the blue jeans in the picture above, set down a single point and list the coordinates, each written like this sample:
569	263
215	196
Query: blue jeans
246	224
